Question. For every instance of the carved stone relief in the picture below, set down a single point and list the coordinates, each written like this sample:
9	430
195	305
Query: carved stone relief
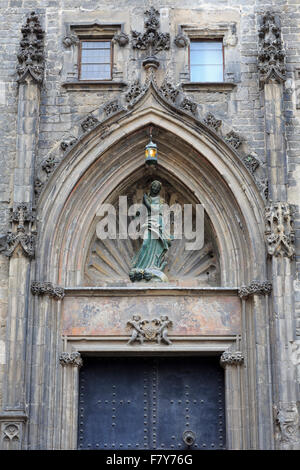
212	122
22	232
280	233
233	139
287	422
155	330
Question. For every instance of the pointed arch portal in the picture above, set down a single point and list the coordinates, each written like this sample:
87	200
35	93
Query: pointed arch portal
208	316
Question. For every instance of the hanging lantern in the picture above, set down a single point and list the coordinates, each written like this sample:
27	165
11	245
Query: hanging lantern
151	153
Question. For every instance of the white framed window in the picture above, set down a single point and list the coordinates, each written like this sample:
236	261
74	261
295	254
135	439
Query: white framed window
206	61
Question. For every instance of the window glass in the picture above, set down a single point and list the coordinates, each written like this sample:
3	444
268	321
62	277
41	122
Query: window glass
95	60
206	61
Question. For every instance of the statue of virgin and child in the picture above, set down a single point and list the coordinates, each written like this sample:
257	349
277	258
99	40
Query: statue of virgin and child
149	262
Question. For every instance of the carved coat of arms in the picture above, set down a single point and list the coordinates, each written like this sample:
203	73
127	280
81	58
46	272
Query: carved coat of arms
153	330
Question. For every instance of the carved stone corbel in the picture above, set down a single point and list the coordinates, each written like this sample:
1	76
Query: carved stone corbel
122	39
255	288
231	358
181	40
280	233
47	288
71	359
31	54
71	39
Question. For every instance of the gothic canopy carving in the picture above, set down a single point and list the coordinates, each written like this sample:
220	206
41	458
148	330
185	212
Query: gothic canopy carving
271	55
31	54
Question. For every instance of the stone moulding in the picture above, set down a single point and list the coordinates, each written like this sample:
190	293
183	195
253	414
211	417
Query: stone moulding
101	119
47	288
279	232
71	359
255	288
231	358
271	55
31	54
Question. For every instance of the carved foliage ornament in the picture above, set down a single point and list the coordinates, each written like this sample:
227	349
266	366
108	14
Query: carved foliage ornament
271	55
151	39
144	330
31	54
169	91
256	288
231	358
233	139
212	122
280	234
89	123
47	288
70	359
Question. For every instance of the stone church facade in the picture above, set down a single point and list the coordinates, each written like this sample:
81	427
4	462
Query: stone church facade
83	349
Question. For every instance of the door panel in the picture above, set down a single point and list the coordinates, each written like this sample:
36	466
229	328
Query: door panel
147	403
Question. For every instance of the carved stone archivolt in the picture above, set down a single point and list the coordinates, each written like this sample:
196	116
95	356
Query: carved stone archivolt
22	232
271	55
255	288
47	288
151	40
31	54
231	358
155	330
287	422
280	233
71	359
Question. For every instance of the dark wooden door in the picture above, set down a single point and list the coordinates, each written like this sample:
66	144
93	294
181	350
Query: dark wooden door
148	403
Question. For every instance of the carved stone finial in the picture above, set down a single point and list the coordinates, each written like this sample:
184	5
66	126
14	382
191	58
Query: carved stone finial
71	359
255	288
151	39
145	330
280	233
271	55
31	54
47	288
231	358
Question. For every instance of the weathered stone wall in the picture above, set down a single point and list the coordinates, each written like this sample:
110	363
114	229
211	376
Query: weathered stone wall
241	109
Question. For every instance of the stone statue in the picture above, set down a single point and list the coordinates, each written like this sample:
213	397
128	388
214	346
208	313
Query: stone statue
149	263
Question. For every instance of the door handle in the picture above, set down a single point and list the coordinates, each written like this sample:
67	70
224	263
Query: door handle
189	438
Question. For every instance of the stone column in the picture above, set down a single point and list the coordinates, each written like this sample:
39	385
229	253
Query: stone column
259	431
19	242
71	362
279	230
231	361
